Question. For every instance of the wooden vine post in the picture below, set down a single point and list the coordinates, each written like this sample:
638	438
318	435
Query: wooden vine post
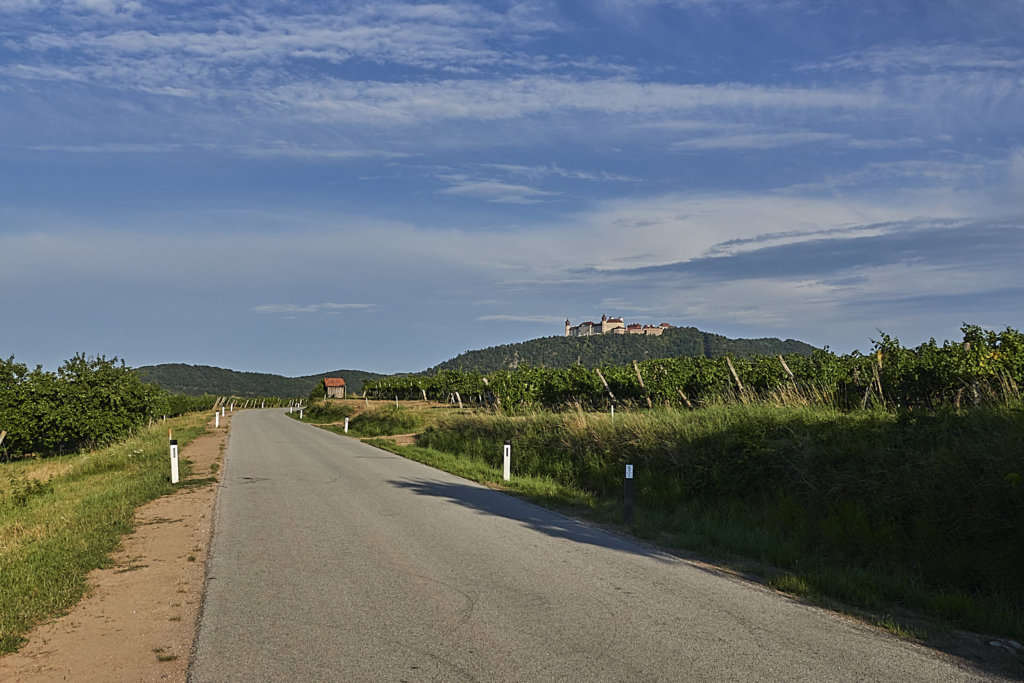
647	394
606	387
3	435
785	367
734	375
878	380
685	400
497	399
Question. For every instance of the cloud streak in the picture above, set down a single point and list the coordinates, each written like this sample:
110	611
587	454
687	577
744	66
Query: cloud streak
312	308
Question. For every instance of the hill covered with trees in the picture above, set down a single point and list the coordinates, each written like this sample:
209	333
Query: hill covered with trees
617	349
546	352
204	379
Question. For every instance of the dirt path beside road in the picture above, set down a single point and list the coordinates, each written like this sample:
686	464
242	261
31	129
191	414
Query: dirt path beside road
138	621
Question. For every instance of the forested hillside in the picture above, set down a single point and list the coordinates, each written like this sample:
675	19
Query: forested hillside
617	349
204	379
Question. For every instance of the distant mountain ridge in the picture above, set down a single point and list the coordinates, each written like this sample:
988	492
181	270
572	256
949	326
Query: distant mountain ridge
546	352
205	379
617	349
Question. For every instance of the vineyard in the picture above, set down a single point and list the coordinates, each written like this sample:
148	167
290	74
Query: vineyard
889	480
983	366
86	403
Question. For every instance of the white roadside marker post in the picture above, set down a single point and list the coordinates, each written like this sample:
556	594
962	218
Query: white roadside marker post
222	411
174	461
613	410
216	420
627	515
346	425
506	466
300	413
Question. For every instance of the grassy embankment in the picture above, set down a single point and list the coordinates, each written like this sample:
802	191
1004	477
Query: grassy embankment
898	514
60	517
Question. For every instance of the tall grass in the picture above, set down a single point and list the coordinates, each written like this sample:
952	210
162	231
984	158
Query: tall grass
923	510
61	517
389	420
324	412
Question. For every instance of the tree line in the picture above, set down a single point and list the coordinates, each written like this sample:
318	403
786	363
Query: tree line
87	402
617	349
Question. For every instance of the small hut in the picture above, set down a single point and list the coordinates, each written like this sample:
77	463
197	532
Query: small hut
334	387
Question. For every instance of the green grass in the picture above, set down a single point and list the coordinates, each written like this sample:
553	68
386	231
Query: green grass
389	419
541	490
324	412
52	533
881	511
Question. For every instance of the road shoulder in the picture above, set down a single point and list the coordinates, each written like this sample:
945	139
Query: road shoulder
139	618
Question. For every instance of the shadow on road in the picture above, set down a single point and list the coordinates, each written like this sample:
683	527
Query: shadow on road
500	504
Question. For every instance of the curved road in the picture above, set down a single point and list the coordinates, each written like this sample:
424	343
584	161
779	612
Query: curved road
332	560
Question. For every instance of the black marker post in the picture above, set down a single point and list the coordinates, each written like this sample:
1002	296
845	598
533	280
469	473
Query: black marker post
628	511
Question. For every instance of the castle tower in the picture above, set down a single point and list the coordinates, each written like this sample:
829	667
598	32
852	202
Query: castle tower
566	327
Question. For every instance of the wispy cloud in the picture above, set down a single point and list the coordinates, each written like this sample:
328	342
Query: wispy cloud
312	308
756	141
456	36
555	171
906	174
553	319
494	190
944	57
416	102
111	148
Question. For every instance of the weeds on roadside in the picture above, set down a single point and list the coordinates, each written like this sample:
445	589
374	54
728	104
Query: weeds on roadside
61	517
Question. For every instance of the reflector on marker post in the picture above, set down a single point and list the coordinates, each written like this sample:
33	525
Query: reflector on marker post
627	515
507	460
174	461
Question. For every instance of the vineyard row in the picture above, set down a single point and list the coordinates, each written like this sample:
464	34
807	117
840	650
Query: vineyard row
983	365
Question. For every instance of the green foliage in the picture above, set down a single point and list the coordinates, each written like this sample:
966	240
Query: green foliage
984	367
616	349
387	420
87	402
325	411
20	489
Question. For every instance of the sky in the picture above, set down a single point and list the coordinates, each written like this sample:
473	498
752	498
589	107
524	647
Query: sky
294	187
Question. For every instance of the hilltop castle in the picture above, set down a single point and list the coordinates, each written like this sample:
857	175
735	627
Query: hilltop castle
613	326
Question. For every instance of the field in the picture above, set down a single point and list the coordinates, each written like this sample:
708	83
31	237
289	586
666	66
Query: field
890	482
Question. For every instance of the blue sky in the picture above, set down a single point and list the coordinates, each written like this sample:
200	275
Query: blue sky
293	187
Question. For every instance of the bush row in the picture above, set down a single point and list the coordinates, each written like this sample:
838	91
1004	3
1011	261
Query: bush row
87	402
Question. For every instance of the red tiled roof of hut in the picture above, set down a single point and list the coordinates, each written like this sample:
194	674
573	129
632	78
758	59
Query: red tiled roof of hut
334	382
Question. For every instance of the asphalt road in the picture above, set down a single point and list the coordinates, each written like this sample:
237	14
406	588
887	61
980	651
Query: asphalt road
335	561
